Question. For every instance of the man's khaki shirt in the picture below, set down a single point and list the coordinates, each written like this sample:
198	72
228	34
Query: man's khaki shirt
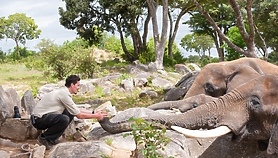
56	102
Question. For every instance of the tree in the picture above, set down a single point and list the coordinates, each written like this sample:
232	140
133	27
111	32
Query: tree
222	14
177	9
197	43
265	17
2	27
159	41
20	28
235	37
247	35
109	15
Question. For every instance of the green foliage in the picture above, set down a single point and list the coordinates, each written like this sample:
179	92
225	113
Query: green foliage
35	62
2	56
108	141
236	38
90	21
22	51
60	61
198	43
273	57
205	60
112	44
201	61
20	28
147	134
266	15
149	55
192	59
73	57
86	65
99	91
2	24
77	16
113	64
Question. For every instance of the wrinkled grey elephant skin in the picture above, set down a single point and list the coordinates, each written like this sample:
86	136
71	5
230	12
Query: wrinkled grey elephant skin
250	111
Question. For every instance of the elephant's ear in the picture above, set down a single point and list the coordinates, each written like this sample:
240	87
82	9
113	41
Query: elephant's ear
273	141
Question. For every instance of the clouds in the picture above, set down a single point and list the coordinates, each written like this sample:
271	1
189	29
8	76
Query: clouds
45	15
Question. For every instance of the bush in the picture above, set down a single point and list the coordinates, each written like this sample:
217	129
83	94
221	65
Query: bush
86	64
147	134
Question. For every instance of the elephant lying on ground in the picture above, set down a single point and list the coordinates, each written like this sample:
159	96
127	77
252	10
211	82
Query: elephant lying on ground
217	79
249	111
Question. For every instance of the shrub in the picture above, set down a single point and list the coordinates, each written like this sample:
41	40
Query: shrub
147	134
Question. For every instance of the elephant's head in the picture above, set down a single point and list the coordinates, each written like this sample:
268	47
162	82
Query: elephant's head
216	79
250	111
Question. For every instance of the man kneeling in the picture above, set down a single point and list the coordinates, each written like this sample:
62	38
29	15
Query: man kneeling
55	111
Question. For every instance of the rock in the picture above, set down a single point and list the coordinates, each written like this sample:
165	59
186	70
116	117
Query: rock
28	102
4	154
127	84
107	106
182	69
96	149
86	87
161	82
6	105
17	129
151	94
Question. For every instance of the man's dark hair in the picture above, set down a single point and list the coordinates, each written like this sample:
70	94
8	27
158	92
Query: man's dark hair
71	79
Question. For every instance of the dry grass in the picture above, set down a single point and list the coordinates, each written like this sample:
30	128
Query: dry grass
18	77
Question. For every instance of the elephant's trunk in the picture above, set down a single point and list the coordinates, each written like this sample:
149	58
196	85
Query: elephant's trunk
207	116
115	127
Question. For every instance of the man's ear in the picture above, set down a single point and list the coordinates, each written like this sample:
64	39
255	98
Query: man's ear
273	141
71	84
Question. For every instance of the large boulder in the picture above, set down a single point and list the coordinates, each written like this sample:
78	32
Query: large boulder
8	100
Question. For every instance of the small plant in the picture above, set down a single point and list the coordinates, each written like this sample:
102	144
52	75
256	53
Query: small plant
99	91
108	141
147	135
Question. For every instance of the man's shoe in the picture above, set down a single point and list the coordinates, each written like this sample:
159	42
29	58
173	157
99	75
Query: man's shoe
45	142
55	142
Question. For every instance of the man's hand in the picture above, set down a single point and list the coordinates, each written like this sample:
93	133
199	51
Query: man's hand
100	115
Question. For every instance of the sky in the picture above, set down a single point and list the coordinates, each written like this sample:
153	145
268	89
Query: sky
46	16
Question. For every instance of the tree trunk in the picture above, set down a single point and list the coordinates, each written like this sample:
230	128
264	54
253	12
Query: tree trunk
173	32
137	42
145	33
159	41
127	53
17	50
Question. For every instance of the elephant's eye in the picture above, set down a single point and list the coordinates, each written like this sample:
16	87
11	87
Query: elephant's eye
209	88
254	103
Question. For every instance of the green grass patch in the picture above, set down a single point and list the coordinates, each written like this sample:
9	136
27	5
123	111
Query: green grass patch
20	78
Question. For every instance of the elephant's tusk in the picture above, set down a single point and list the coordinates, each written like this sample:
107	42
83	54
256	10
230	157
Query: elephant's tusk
216	132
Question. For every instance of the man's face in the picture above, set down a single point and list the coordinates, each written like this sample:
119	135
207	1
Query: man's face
74	87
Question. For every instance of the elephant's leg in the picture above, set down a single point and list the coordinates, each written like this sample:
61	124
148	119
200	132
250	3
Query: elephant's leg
183	105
